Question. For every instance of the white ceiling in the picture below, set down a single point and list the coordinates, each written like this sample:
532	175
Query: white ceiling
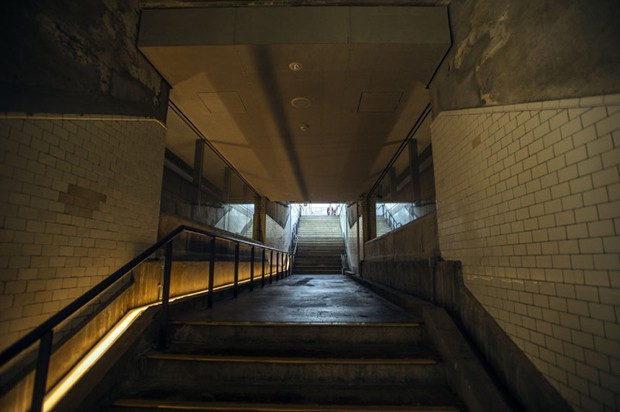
363	74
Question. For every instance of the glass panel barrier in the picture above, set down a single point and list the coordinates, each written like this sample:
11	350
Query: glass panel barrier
407	191
199	185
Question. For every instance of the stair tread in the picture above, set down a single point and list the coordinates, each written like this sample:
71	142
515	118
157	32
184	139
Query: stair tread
267	407
297	324
422	360
317	352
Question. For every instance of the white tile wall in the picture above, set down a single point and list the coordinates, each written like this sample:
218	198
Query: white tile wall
79	197
528	199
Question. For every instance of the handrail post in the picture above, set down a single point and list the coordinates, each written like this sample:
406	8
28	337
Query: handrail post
277	266
252	269
165	298
236	284
288	265
211	273
263	275
40	377
270	266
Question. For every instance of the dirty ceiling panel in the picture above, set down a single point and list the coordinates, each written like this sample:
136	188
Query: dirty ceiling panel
305	102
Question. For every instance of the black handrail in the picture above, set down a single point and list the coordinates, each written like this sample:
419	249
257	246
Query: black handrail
44	332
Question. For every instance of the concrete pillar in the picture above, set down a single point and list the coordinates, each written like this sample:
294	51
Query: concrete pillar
227	183
259	230
199	154
369	230
358	237
414	169
393	181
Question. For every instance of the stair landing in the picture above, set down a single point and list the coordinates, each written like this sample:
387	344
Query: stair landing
308	299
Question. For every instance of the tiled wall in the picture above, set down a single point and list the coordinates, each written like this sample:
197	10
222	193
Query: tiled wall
528	200
79	197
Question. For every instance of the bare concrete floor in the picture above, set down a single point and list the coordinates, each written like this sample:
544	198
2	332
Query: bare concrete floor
307	299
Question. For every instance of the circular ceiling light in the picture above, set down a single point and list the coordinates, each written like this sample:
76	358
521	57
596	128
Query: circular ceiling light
301	103
295	66
304	127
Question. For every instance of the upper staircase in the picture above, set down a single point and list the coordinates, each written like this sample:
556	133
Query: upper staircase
383	226
320	245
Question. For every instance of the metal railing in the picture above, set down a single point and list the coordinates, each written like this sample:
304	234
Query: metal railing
387	214
44	333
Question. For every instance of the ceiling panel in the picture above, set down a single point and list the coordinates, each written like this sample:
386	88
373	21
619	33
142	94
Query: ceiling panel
362	71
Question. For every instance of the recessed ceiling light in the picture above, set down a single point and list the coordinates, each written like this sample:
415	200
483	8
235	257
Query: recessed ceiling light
304	127
295	66
301	103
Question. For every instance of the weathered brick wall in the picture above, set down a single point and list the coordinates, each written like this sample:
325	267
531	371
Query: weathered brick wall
528	200
79	197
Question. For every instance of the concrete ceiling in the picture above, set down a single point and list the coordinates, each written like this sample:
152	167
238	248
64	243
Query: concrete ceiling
321	130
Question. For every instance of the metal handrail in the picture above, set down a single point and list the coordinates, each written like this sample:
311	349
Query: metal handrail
44	332
394	224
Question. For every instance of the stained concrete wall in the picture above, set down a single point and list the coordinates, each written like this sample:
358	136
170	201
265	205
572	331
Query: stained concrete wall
76	57
515	51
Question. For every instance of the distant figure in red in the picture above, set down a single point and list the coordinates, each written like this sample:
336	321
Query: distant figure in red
330	211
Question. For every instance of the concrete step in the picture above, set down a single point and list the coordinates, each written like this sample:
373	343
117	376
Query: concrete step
279	366
185	370
291	397
309	337
319	240
317	271
318	265
318	257
317	253
321	245
334	268
318	261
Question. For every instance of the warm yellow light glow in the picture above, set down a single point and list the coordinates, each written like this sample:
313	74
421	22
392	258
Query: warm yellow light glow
57	392
52	398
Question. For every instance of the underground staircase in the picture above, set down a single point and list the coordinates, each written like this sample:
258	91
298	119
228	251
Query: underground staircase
292	367
385	363
319	246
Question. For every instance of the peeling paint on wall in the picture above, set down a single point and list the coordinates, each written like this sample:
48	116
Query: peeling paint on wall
496	32
78	57
515	51
498	36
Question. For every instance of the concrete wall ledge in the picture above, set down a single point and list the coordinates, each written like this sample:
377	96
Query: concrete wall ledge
416	240
443	285
465	372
